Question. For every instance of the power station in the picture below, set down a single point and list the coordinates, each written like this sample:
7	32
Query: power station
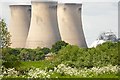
44	23
43	30
70	23
19	24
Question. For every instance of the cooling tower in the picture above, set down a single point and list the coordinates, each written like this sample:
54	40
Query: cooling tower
70	24
19	25
44	30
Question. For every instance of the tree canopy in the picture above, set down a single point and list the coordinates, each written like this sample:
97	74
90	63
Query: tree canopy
4	35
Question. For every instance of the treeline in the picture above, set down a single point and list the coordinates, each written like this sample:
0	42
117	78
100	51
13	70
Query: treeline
24	54
102	55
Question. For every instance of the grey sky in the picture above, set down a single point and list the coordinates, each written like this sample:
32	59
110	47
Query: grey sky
97	15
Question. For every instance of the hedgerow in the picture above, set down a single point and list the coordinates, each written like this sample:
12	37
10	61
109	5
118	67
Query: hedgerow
102	55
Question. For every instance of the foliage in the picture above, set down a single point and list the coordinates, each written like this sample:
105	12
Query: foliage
9	59
102	55
45	50
70	55
23	54
4	35
58	45
85	72
11	64
60	71
70	62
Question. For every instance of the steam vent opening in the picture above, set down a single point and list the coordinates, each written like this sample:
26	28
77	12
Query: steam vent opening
70	24
43	30
19	25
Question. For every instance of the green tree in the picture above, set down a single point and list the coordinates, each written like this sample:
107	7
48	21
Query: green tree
24	55
58	45
45	50
103	55
4	35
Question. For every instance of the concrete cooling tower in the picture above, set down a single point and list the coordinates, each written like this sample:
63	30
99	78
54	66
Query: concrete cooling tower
44	30
19	25
70	24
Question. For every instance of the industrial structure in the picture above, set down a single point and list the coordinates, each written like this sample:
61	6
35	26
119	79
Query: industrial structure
105	37
19	24
44	30
45	23
70	23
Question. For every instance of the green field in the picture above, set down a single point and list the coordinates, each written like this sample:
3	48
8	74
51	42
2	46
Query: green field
47	64
38	64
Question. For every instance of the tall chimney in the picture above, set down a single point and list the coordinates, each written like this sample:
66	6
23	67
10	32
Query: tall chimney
70	24
19	25
44	30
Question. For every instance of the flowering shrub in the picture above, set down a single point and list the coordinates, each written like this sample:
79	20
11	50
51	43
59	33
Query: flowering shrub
84	72
61	69
37	73
10	72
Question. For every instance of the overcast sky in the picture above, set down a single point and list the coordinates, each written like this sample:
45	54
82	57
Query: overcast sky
97	15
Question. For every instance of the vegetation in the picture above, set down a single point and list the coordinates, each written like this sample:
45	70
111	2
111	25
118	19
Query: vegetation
102	55
58	45
61	71
15	55
4	35
69	61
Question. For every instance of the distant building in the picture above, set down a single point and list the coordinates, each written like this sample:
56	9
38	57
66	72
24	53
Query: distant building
104	37
108	36
118	39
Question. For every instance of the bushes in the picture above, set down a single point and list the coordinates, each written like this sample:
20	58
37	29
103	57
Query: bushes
57	46
71	55
11	64
79	62
102	55
45	50
60	71
24	54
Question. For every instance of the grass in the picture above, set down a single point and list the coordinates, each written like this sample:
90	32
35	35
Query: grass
37	64
60	77
107	76
100	76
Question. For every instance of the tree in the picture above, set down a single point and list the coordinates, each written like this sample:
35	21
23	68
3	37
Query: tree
4	35
58	45
45	50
